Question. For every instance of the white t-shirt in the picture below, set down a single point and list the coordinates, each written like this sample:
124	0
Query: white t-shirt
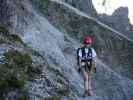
86	50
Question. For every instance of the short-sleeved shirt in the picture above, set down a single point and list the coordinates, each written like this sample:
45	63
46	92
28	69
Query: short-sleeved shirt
86	50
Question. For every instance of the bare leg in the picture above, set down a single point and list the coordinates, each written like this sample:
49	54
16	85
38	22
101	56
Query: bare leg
86	82
86	86
89	84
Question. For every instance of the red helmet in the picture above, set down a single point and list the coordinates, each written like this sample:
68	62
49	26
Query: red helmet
87	40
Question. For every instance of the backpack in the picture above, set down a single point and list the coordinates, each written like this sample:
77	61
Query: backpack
86	56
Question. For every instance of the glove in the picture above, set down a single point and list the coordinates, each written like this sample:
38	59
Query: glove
79	70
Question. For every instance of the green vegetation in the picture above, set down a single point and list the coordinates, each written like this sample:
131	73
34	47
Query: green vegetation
41	4
63	92
66	88
17	67
53	98
60	79
5	37
54	70
3	29
15	71
24	96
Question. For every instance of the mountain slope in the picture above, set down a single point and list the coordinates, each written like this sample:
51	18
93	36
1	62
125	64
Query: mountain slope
55	30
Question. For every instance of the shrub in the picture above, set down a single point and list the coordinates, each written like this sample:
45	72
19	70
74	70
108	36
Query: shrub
15	71
6	37
3	29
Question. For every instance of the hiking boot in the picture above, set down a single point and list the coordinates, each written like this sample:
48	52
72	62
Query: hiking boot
86	93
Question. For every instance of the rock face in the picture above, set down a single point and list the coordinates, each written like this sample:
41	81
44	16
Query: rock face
6	13
119	20
85	6
3	11
116	14
55	29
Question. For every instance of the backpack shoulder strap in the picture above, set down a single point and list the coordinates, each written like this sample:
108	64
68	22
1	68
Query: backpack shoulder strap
78	51
83	51
78	55
90	52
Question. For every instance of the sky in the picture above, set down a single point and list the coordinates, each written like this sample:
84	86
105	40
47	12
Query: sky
109	6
